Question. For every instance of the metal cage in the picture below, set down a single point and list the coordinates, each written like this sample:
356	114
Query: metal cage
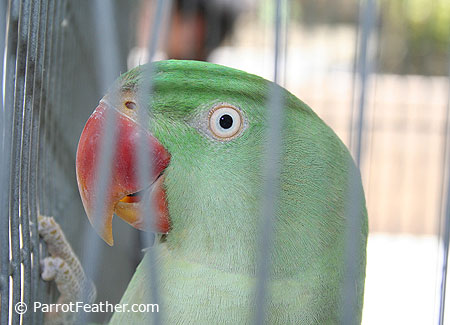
59	59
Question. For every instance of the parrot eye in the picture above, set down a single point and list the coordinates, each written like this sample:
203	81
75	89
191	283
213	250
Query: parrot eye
225	122
130	105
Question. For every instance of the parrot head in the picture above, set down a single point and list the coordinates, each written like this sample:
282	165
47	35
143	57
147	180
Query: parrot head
205	133
195	129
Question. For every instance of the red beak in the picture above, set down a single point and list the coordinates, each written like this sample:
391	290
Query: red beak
124	190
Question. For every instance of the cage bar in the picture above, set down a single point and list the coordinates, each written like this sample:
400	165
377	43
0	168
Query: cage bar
107	63
271	186
445	202
144	95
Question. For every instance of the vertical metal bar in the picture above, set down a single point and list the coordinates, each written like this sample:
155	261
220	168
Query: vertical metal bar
107	61
25	154
349	298
47	161
354	69
285	49
43	149
144	94
445	234
58	107
36	291
15	216
5	158
2	53
271	172
363	65
52	108
54	112
214	30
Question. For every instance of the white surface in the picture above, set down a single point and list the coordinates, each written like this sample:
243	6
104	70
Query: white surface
401	280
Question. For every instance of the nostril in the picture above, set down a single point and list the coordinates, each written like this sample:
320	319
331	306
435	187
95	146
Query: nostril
130	105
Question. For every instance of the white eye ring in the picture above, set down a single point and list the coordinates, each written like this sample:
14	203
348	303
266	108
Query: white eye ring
225	122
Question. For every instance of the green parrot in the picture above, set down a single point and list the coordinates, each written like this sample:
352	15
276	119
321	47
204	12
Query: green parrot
206	134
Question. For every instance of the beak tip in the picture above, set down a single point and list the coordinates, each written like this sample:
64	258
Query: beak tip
104	229
106	233
110	241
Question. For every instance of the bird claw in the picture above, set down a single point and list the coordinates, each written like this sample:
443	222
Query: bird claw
48	268
64	268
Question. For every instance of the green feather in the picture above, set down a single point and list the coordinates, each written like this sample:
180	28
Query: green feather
214	188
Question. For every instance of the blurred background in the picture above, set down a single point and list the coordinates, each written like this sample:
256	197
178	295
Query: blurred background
389	59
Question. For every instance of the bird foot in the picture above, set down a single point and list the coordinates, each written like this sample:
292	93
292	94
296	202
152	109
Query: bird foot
65	269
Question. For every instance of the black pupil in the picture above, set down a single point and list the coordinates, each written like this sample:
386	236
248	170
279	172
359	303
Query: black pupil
226	121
